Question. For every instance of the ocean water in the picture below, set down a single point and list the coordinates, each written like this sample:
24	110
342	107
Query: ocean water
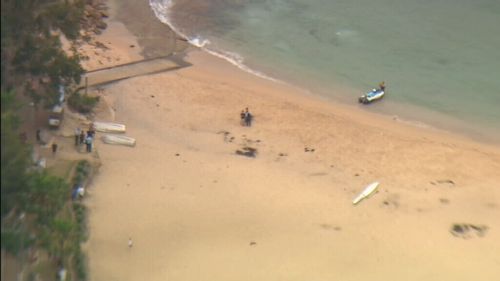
440	59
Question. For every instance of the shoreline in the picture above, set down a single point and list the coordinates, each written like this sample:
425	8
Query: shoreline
415	115
197	211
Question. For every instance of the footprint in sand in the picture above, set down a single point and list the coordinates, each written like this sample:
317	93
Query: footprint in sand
327	226
445	182
467	230
391	201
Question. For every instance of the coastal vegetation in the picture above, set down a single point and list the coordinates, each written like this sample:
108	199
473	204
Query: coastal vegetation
40	222
82	103
33	61
37	213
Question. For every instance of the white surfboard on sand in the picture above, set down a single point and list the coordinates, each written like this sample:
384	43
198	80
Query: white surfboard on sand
114	139
366	192
108	127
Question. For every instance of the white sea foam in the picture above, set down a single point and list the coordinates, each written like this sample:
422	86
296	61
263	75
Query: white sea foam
161	9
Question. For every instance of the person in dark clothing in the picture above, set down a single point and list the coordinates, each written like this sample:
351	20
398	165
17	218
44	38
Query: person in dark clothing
38	137
381	86
54	148
248	118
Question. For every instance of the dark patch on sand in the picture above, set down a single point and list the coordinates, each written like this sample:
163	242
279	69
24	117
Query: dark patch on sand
307	149
391	201
327	226
247	151
447	182
444	201
467	230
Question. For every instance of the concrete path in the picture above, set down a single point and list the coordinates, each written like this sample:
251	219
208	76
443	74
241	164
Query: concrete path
124	71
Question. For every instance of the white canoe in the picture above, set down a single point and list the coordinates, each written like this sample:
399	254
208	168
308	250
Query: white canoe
117	139
108	127
366	192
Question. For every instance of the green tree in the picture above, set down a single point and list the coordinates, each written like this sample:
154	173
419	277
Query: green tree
15	155
31	49
45	195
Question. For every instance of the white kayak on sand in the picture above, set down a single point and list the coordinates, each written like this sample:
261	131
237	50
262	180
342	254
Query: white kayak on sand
366	192
108	127
116	139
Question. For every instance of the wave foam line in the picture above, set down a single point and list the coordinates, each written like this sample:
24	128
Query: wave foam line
161	10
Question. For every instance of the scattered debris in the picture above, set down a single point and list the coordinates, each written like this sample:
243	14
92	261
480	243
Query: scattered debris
307	149
226	136
467	230
247	151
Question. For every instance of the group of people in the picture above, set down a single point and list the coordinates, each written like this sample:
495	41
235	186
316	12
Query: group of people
85	138
246	118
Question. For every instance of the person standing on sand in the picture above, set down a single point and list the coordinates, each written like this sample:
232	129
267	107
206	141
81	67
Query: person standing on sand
248	118
88	142
130	243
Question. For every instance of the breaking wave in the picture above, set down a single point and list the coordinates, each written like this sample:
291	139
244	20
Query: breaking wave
162	8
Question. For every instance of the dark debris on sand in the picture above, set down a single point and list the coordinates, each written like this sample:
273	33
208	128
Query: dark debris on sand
467	230
247	151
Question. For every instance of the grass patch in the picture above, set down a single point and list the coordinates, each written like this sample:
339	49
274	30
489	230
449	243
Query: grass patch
80	212
82	172
15	241
82	103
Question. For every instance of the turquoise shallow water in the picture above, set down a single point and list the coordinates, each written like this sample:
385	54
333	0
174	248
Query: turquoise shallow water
440	59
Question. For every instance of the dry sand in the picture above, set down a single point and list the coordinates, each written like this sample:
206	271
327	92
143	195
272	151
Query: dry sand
197	211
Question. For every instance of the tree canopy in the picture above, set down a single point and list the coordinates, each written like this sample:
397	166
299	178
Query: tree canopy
32	58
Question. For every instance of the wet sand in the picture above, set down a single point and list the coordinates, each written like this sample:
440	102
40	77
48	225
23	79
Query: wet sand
196	210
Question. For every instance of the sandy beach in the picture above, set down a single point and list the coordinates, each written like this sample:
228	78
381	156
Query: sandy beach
196	210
